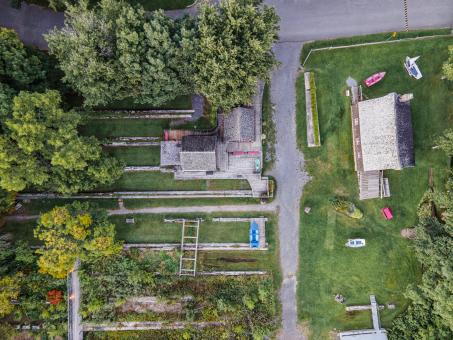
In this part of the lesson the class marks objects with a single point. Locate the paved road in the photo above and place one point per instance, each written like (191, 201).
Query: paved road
(303, 20)
(290, 178)
(30, 22)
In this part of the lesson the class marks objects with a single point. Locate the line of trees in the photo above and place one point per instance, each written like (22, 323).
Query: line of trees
(430, 314)
(114, 50)
(40, 147)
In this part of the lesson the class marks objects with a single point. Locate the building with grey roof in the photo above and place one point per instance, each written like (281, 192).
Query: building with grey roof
(382, 134)
(198, 153)
(239, 125)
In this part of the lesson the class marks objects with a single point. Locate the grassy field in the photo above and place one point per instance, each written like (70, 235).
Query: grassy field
(142, 181)
(136, 156)
(102, 128)
(386, 265)
(150, 228)
(360, 39)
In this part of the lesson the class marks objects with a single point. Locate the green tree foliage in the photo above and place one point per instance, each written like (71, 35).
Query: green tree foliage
(114, 51)
(6, 99)
(9, 292)
(41, 148)
(445, 142)
(29, 289)
(234, 50)
(71, 232)
(448, 65)
(430, 315)
(16, 64)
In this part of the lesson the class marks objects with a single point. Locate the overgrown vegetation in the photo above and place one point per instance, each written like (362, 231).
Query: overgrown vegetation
(386, 266)
(245, 305)
(24, 293)
(430, 313)
(268, 129)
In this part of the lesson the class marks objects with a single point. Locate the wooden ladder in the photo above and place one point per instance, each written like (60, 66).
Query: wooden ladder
(189, 247)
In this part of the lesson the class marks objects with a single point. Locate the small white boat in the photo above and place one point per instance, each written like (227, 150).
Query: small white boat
(356, 243)
(412, 67)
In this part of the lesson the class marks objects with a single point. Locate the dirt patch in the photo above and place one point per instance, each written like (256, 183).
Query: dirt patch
(408, 233)
(154, 304)
(235, 259)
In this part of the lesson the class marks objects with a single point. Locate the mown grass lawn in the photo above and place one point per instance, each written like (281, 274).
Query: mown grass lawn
(143, 181)
(386, 265)
(135, 155)
(151, 228)
(105, 128)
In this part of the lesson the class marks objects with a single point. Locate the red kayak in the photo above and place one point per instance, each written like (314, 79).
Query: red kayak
(375, 78)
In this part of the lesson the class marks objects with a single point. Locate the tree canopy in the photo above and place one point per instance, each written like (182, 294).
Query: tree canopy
(41, 148)
(430, 314)
(70, 232)
(448, 65)
(114, 51)
(234, 50)
(16, 64)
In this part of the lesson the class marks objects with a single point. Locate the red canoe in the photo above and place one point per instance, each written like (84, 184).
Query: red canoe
(375, 78)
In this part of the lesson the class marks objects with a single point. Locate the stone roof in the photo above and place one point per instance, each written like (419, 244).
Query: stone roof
(198, 161)
(170, 153)
(197, 143)
(240, 125)
(198, 153)
(384, 134)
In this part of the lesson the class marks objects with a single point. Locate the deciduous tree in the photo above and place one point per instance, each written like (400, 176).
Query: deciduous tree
(70, 232)
(16, 64)
(234, 50)
(113, 51)
(9, 291)
(41, 148)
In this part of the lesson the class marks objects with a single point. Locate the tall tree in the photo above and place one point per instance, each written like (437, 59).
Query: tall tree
(70, 232)
(234, 50)
(16, 64)
(113, 51)
(430, 314)
(41, 148)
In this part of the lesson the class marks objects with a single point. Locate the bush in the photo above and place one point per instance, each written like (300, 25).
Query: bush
(346, 208)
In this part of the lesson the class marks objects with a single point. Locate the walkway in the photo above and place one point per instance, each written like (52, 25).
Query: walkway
(272, 207)
(74, 319)
(290, 178)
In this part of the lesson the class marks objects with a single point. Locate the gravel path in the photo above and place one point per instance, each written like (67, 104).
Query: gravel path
(272, 207)
(290, 178)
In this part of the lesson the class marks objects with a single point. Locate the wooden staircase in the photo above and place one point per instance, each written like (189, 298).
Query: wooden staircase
(189, 247)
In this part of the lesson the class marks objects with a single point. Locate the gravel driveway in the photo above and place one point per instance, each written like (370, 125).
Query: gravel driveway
(290, 179)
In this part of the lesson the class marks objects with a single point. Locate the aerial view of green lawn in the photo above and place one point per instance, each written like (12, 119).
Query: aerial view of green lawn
(386, 265)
